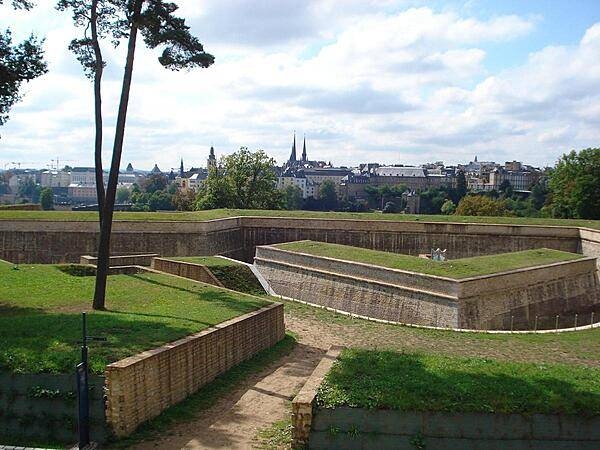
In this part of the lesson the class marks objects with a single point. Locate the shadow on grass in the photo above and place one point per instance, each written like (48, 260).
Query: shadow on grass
(7, 310)
(413, 382)
(215, 295)
(208, 395)
(49, 342)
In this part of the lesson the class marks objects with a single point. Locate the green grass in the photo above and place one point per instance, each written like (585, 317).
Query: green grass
(457, 268)
(40, 321)
(189, 409)
(223, 213)
(276, 436)
(232, 275)
(418, 382)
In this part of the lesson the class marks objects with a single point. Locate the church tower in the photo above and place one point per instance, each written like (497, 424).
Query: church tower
(293, 155)
(212, 159)
(181, 168)
(304, 159)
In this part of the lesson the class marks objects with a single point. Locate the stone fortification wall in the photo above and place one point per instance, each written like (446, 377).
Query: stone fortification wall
(193, 271)
(63, 241)
(353, 293)
(412, 238)
(520, 299)
(142, 386)
(57, 242)
(590, 243)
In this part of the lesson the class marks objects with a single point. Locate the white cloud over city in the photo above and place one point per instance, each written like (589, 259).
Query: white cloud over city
(365, 81)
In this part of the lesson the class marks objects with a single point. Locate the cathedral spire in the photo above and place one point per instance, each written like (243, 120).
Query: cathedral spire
(293, 155)
(304, 150)
(181, 168)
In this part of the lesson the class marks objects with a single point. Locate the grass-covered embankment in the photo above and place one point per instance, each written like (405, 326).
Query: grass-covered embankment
(232, 275)
(40, 315)
(419, 382)
(457, 268)
(198, 216)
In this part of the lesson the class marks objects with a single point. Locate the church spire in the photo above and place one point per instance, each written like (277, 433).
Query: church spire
(293, 155)
(181, 169)
(304, 150)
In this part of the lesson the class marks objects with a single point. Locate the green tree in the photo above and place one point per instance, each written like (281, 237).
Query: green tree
(161, 201)
(118, 20)
(539, 194)
(123, 195)
(448, 207)
(18, 63)
(432, 200)
(47, 198)
(184, 200)
(215, 191)
(328, 195)
(575, 185)
(506, 190)
(481, 205)
(154, 182)
(461, 185)
(251, 176)
(292, 198)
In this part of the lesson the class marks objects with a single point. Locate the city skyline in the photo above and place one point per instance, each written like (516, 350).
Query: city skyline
(392, 82)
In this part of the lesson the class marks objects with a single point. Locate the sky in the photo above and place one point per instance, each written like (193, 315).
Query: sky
(388, 81)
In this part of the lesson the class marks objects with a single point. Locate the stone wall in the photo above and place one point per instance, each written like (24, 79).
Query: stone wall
(43, 407)
(62, 241)
(356, 428)
(140, 387)
(412, 238)
(193, 271)
(528, 298)
(129, 260)
(590, 243)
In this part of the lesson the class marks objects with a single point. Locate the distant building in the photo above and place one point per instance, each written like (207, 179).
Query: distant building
(55, 178)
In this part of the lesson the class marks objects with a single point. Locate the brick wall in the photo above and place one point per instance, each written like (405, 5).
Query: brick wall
(142, 386)
(193, 271)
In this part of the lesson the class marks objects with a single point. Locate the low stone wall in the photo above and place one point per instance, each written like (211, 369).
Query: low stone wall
(44, 407)
(525, 299)
(140, 387)
(185, 269)
(590, 243)
(357, 428)
(127, 260)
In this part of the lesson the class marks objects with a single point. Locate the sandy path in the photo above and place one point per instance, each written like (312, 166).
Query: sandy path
(234, 420)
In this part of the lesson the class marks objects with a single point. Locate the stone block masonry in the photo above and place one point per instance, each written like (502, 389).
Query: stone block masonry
(140, 387)
(185, 269)
(29, 241)
(522, 299)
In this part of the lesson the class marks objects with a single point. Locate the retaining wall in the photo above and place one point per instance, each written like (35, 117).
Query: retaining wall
(63, 241)
(357, 428)
(44, 407)
(522, 299)
(140, 387)
(185, 269)
(130, 260)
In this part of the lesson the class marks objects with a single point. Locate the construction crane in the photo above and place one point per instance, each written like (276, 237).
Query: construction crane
(56, 162)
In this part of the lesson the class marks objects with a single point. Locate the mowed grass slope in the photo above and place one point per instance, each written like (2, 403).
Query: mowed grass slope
(457, 268)
(40, 315)
(90, 216)
(231, 274)
(420, 382)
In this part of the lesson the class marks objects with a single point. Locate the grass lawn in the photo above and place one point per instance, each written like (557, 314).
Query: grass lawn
(233, 275)
(419, 382)
(40, 315)
(223, 213)
(457, 268)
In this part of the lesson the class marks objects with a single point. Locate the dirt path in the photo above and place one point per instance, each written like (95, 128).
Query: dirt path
(233, 422)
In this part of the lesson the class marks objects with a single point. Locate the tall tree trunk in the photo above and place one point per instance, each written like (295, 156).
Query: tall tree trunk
(98, 110)
(111, 190)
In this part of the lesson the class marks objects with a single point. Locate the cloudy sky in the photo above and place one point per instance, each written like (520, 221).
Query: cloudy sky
(387, 81)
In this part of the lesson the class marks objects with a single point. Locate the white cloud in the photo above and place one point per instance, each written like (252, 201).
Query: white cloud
(366, 81)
